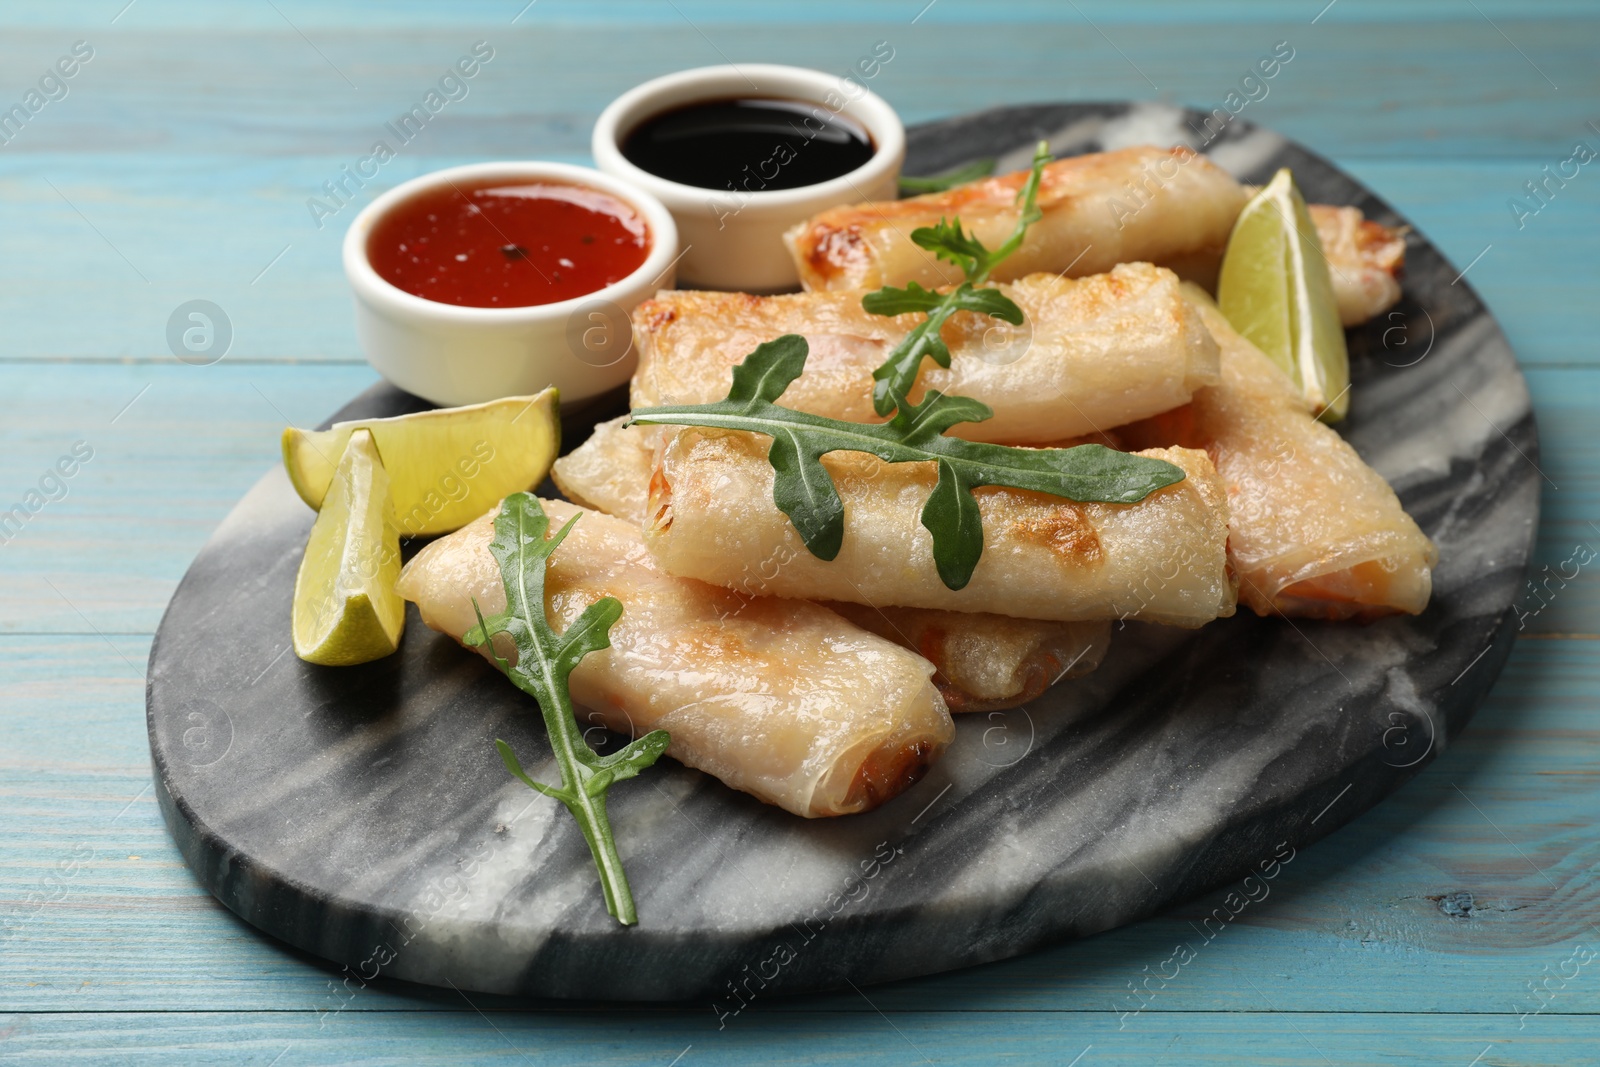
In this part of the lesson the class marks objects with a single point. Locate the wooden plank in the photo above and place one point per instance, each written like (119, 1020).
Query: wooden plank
(617, 1037)
(1347, 926)
(164, 472)
(1439, 87)
(1530, 278)
(314, 15)
(170, 466)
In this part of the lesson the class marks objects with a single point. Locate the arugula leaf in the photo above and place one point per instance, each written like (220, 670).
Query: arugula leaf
(892, 380)
(803, 490)
(545, 659)
(951, 516)
(948, 241)
(938, 183)
(1029, 198)
(913, 297)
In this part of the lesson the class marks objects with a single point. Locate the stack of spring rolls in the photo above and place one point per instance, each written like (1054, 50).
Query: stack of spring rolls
(825, 687)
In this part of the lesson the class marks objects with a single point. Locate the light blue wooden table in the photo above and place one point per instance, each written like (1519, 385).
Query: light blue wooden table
(1452, 925)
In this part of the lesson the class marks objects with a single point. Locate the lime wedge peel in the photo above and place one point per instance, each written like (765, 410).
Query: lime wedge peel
(346, 609)
(445, 467)
(1276, 290)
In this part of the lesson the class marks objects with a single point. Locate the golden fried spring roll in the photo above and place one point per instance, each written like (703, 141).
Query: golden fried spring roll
(1091, 353)
(1168, 206)
(1163, 559)
(1314, 530)
(987, 662)
(1135, 204)
(982, 662)
(610, 472)
(1363, 260)
(782, 699)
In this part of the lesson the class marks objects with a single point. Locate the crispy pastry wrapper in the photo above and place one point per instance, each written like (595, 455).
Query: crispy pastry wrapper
(1091, 353)
(1314, 531)
(1135, 204)
(1163, 559)
(782, 699)
(983, 662)
(1169, 206)
(986, 662)
(1364, 261)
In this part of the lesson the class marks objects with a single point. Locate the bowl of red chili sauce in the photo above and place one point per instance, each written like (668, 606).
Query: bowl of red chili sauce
(499, 279)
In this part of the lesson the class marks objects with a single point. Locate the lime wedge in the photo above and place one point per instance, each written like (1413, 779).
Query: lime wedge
(346, 610)
(446, 467)
(1275, 289)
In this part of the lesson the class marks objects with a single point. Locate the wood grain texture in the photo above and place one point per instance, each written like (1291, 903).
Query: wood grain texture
(287, 86)
(827, 1037)
(180, 165)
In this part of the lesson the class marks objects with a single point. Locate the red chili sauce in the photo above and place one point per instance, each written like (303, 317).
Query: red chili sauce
(492, 244)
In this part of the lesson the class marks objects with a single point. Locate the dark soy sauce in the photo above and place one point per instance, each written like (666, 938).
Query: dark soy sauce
(748, 144)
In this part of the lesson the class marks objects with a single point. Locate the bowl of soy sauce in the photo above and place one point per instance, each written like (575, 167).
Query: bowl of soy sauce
(741, 154)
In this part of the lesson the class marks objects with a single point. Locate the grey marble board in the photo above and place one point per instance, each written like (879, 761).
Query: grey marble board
(361, 814)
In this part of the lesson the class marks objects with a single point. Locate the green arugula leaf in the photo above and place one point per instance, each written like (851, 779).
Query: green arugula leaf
(892, 380)
(964, 297)
(919, 423)
(804, 491)
(781, 362)
(948, 241)
(890, 301)
(951, 516)
(938, 183)
(545, 659)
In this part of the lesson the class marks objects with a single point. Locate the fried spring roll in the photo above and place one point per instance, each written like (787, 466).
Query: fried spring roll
(610, 472)
(1169, 206)
(982, 662)
(1145, 203)
(986, 662)
(1091, 353)
(1314, 531)
(1163, 559)
(782, 699)
(1363, 260)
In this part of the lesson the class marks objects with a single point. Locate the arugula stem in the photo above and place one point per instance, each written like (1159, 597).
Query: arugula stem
(1028, 197)
(894, 378)
(938, 183)
(545, 660)
(596, 827)
(590, 811)
(1082, 473)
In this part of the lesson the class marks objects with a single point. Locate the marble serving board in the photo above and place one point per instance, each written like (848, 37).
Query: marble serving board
(362, 814)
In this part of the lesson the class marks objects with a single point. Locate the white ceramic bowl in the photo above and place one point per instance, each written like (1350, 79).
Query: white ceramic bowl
(735, 240)
(465, 355)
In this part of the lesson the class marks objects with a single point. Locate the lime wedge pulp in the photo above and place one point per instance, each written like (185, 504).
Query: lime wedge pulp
(446, 467)
(1276, 290)
(346, 609)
